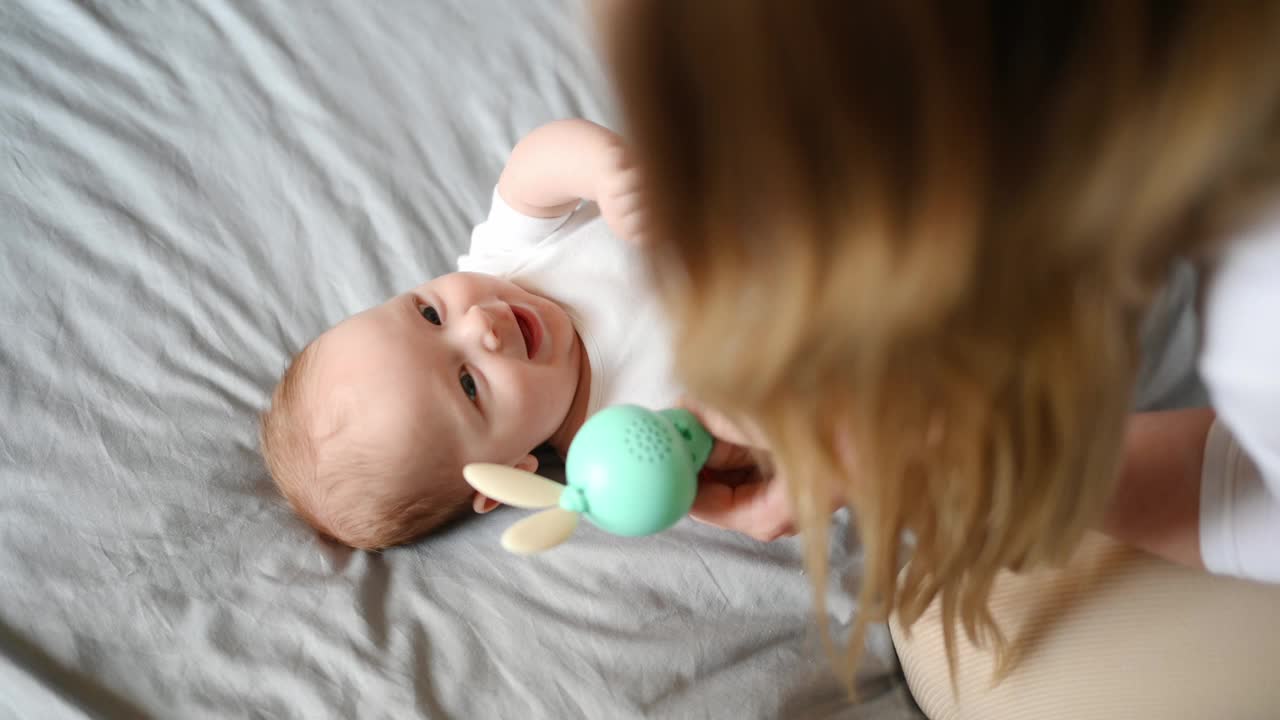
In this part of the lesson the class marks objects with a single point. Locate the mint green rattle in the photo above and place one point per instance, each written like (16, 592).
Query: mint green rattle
(630, 471)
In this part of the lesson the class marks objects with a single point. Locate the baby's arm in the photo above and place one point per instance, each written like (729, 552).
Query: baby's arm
(564, 162)
(556, 166)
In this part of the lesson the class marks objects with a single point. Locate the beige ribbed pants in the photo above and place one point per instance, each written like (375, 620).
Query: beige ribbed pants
(1116, 634)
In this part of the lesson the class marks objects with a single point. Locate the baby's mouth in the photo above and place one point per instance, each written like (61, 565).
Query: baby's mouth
(529, 330)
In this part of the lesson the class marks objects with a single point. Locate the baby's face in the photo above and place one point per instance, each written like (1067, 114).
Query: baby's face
(467, 366)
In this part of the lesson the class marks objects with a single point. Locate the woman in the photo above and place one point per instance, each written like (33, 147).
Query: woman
(909, 244)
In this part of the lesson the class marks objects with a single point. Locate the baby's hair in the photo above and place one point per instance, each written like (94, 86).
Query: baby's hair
(333, 481)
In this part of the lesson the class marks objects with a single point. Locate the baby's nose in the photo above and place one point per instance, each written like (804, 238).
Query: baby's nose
(480, 321)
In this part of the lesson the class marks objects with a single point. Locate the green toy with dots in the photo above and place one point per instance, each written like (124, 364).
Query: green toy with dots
(630, 471)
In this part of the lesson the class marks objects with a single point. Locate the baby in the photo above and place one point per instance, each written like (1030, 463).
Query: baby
(548, 321)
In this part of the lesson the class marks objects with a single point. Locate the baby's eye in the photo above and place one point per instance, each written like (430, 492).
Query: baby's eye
(430, 314)
(468, 385)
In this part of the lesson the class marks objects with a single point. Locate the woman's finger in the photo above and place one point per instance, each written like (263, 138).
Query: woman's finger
(733, 447)
(728, 456)
(758, 509)
(716, 423)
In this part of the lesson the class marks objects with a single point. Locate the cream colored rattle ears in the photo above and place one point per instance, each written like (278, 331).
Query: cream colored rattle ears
(525, 490)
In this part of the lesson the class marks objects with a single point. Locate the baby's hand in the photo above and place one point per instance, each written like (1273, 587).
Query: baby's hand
(618, 195)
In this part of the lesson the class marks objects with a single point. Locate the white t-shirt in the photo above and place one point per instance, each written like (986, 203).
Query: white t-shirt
(599, 280)
(1240, 364)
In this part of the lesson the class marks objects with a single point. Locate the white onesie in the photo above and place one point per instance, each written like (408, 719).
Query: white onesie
(600, 281)
(1240, 363)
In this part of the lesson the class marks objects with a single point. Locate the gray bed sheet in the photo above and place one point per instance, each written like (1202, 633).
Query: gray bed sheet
(189, 191)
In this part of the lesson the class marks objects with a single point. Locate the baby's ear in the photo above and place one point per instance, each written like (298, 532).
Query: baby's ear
(483, 503)
(528, 463)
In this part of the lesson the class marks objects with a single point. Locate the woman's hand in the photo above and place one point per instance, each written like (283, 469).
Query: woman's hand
(734, 491)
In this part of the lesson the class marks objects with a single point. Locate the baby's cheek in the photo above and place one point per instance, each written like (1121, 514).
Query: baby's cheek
(548, 395)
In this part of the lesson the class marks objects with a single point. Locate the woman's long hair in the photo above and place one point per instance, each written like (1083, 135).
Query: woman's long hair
(911, 241)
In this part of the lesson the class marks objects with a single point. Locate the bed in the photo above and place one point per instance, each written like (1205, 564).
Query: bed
(189, 191)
